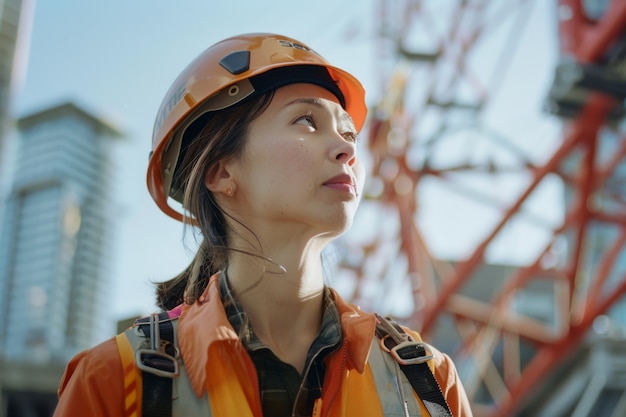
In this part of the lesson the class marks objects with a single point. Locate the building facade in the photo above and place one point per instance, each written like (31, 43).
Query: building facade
(11, 16)
(55, 235)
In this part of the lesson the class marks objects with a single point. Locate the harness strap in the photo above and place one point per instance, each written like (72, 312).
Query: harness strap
(413, 357)
(419, 375)
(158, 365)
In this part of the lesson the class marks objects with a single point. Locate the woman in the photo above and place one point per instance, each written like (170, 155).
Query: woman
(257, 139)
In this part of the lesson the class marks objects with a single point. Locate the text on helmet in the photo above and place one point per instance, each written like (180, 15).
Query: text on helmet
(168, 104)
(295, 45)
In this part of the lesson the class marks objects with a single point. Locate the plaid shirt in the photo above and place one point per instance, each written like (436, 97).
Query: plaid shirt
(284, 391)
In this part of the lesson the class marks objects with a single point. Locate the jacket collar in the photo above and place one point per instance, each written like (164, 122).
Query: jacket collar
(204, 324)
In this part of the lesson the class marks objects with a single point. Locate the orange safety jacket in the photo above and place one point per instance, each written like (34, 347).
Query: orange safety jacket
(218, 371)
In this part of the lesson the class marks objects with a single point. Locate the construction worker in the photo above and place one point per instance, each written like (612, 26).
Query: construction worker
(254, 146)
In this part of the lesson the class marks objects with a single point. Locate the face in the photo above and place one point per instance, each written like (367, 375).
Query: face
(299, 167)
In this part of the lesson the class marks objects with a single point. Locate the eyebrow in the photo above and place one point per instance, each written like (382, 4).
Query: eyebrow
(316, 102)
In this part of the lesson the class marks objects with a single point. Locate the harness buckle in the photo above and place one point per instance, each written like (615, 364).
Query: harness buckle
(402, 347)
(156, 360)
(409, 352)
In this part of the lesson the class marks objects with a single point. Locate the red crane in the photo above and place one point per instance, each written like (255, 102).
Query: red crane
(443, 67)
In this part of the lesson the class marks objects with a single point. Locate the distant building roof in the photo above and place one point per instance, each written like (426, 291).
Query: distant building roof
(52, 112)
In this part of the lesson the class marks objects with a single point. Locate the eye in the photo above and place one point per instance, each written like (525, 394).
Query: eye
(306, 119)
(350, 136)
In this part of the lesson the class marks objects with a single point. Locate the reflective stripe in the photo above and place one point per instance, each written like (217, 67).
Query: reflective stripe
(184, 400)
(394, 390)
(132, 377)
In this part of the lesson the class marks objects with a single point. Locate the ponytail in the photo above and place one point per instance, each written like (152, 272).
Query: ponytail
(187, 286)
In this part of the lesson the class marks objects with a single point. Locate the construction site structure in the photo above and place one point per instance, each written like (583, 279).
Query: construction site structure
(546, 194)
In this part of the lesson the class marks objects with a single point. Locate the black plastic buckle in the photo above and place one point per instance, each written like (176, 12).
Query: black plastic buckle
(410, 353)
(156, 360)
(402, 347)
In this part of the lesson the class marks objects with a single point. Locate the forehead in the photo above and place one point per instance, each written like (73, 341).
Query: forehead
(293, 94)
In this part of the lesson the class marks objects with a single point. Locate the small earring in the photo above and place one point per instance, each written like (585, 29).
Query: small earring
(229, 192)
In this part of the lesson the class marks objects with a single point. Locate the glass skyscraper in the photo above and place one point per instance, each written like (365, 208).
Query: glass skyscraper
(55, 235)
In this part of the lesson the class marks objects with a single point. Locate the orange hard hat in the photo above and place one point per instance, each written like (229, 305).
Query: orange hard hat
(223, 75)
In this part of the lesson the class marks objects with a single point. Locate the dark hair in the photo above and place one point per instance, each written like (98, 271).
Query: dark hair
(222, 136)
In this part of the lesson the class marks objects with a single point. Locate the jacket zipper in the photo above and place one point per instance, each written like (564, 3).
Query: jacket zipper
(313, 359)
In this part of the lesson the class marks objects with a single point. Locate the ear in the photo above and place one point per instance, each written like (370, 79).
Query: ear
(218, 178)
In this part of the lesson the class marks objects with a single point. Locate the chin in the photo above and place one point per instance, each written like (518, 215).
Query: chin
(340, 227)
(337, 221)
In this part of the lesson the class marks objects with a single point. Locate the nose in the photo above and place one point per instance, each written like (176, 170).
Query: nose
(344, 151)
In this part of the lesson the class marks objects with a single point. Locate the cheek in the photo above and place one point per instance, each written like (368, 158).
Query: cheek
(280, 169)
(298, 160)
(277, 165)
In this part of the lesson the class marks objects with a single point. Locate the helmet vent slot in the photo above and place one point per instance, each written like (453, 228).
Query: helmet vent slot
(236, 62)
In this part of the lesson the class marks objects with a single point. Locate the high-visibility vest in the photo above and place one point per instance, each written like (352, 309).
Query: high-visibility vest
(382, 390)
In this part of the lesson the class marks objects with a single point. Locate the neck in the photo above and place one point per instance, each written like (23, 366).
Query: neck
(279, 279)
(284, 306)
(279, 263)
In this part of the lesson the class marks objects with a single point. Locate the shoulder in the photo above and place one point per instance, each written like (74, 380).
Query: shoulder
(92, 383)
(101, 361)
(445, 370)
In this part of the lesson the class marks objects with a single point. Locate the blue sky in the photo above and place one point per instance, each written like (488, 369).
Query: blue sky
(118, 57)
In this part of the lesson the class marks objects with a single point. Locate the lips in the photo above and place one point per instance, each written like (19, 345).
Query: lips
(342, 182)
